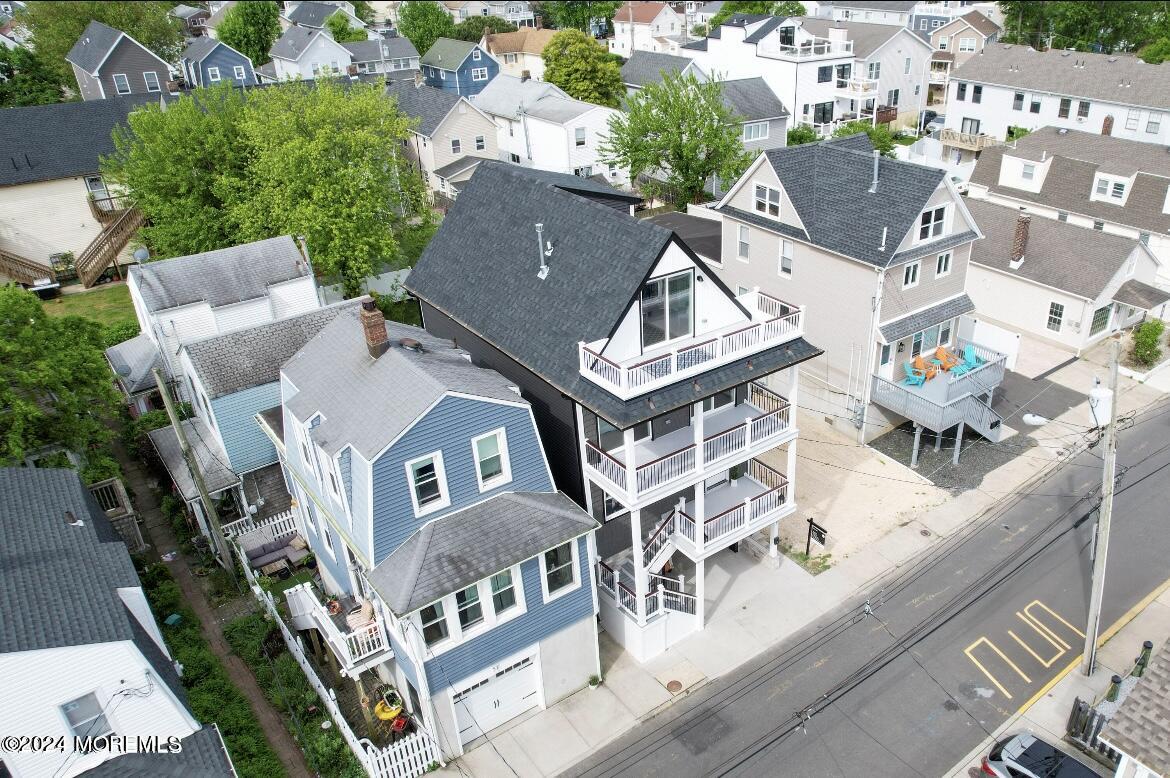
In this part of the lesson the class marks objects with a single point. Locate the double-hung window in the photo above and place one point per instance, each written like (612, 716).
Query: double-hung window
(86, 718)
(910, 275)
(213, 74)
(558, 569)
(579, 136)
(1035, 106)
(503, 592)
(892, 97)
(1028, 171)
(121, 83)
(492, 467)
(942, 265)
(977, 93)
(1117, 192)
(151, 79)
(469, 608)
(742, 244)
(874, 70)
(966, 44)
(428, 487)
(1132, 117)
(239, 72)
(1102, 187)
(1065, 108)
(475, 55)
(930, 224)
(907, 64)
(786, 258)
(456, 146)
(434, 624)
(767, 200)
(667, 308)
(480, 143)
(1154, 123)
(961, 91)
(1083, 109)
(1018, 101)
(755, 131)
(479, 74)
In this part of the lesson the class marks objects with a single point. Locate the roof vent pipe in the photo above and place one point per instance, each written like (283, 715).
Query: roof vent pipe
(540, 250)
(883, 246)
(873, 186)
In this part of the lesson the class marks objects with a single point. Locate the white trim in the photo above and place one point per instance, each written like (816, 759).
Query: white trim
(213, 75)
(575, 563)
(755, 199)
(917, 265)
(118, 91)
(489, 620)
(505, 476)
(747, 175)
(157, 81)
(938, 259)
(444, 500)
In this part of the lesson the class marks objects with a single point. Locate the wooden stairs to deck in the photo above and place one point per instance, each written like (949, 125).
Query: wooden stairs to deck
(23, 270)
(104, 249)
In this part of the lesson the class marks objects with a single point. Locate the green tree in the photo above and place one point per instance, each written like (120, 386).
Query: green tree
(732, 7)
(1113, 25)
(1157, 52)
(582, 67)
(424, 23)
(54, 27)
(681, 131)
(879, 136)
(363, 11)
(801, 134)
(55, 385)
(790, 8)
(251, 29)
(25, 79)
(474, 27)
(338, 27)
(577, 13)
(324, 161)
(182, 194)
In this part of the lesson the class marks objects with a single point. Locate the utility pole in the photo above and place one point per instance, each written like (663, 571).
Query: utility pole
(217, 538)
(1104, 516)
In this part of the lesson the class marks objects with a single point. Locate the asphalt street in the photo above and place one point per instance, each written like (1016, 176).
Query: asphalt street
(954, 642)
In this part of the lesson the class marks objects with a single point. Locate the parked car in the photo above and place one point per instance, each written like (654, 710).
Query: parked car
(1027, 756)
(935, 124)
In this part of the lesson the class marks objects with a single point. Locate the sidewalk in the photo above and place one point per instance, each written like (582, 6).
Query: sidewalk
(742, 617)
(1048, 711)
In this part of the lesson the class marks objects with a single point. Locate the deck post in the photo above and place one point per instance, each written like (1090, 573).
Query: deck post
(631, 465)
(697, 423)
(640, 583)
(774, 540)
(938, 440)
(917, 441)
(700, 516)
(700, 585)
(958, 442)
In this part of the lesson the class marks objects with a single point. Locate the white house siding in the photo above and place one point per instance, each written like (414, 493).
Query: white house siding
(892, 56)
(292, 298)
(46, 679)
(249, 313)
(629, 37)
(465, 123)
(533, 63)
(199, 399)
(46, 218)
(554, 145)
(870, 16)
(995, 112)
(322, 52)
(1022, 306)
(897, 302)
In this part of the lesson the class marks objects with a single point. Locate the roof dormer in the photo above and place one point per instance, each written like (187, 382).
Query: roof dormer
(1025, 173)
(1111, 188)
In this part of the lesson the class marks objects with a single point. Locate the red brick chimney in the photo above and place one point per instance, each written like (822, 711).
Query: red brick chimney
(1020, 241)
(374, 329)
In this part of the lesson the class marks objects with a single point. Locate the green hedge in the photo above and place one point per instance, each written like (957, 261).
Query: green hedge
(1145, 342)
(210, 693)
(288, 689)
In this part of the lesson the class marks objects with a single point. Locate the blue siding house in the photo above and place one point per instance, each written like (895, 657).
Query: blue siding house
(431, 510)
(207, 62)
(461, 67)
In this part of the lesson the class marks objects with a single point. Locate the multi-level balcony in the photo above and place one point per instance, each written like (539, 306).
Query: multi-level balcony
(357, 642)
(652, 467)
(773, 322)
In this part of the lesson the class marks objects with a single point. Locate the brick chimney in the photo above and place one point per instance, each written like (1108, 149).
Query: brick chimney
(418, 79)
(374, 329)
(1020, 241)
(525, 75)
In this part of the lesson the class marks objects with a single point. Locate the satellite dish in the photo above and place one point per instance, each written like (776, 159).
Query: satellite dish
(141, 254)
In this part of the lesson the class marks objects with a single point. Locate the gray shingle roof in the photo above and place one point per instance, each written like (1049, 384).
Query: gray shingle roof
(92, 47)
(981, 23)
(1054, 71)
(601, 257)
(699, 45)
(251, 357)
(1061, 255)
(1078, 156)
(647, 67)
(58, 583)
(365, 51)
(510, 528)
(335, 376)
(914, 322)
(399, 47)
(752, 99)
(274, 418)
(200, 47)
(1141, 725)
(506, 95)
(217, 17)
(310, 14)
(132, 361)
(292, 44)
(704, 236)
(203, 755)
(447, 53)
(1140, 295)
(902, 6)
(762, 31)
(571, 183)
(559, 109)
(425, 103)
(867, 38)
(457, 166)
(829, 183)
(63, 140)
(220, 277)
(187, 11)
(209, 454)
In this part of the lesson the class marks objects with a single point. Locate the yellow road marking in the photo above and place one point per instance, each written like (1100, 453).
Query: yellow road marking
(1046, 663)
(968, 651)
(1053, 613)
(1051, 636)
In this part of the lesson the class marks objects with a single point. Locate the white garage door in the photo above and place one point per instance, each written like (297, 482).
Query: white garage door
(496, 699)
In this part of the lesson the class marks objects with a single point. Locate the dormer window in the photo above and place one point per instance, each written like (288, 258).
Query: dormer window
(475, 55)
(931, 223)
(1028, 172)
(667, 308)
(428, 484)
(1109, 189)
(767, 200)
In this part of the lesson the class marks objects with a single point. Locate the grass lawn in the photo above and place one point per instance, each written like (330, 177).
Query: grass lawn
(107, 305)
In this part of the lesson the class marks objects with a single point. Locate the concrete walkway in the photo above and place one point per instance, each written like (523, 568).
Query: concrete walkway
(161, 538)
(1046, 714)
(752, 606)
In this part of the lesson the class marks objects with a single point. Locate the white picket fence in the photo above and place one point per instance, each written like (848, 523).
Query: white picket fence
(407, 758)
(277, 525)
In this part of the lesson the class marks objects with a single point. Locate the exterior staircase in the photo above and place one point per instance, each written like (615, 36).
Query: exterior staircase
(23, 270)
(105, 248)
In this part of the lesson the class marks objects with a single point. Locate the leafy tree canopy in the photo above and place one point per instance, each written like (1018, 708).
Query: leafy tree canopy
(338, 27)
(879, 136)
(1112, 25)
(363, 11)
(473, 28)
(582, 67)
(54, 27)
(251, 29)
(766, 7)
(577, 13)
(424, 22)
(801, 134)
(55, 385)
(680, 131)
(1157, 52)
(25, 79)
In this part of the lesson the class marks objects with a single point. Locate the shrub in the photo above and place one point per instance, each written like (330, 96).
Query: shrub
(1145, 342)
(113, 334)
(801, 134)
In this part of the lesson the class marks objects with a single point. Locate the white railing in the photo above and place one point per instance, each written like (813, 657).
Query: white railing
(939, 76)
(280, 524)
(666, 468)
(725, 523)
(365, 641)
(351, 647)
(776, 322)
(867, 87)
(658, 540)
(822, 129)
(770, 423)
(817, 47)
(605, 464)
(684, 524)
(725, 443)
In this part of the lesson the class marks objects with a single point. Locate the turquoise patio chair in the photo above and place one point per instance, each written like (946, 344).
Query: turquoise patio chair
(914, 376)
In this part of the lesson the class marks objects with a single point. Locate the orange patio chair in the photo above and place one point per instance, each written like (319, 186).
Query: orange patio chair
(946, 358)
(928, 370)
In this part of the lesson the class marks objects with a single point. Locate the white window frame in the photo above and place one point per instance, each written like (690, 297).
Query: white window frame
(102, 713)
(1028, 171)
(942, 265)
(505, 475)
(1059, 317)
(213, 74)
(1153, 123)
(911, 273)
(480, 142)
(456, 146)
(240, 72)
(786, 253)
(765, 200)
(967, 44)
(444, 617)
(509, 59)
(906, 65)
(475, 55)
(157, 84)
(1132, 118)
(753, 131)
(743, 243)
(564, 590)
(579, 135)
(444, 500)
(943, 40)
(125, 80)
(936, 227)
(479, 74)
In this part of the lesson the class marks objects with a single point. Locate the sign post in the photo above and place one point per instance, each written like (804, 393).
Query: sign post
(815, 532)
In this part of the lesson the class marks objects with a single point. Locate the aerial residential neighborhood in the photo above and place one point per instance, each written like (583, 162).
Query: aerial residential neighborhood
(584, 388)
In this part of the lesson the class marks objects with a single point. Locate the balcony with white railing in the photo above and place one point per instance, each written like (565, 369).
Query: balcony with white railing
(810, 48)
(727, 434)
(970, 141)
(938, 75)
(356, 640)
(773, 322)
(857, 88)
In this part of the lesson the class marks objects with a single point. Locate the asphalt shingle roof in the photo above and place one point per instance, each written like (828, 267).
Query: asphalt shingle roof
(980, 23)
(1140, 295)
(902, 6)
(425, 103)
(251, 357)
(132, 361)
(648, 67)
(762, 31)
(915, 322)
(203, 755)
(1141, 725)
(867, 38)
(601, 256)
(528, 40)
(1054, 71)
(336, 376)
(508, 95)
(1058, 254)
(209, 454)
(752, 99)
(1076, 159)
(704, 236)
(92, 47)
(310, 14)
(199, 48)
(385, 48)
(510, 528)
(457, 166)
(63, 140)
(638, 13)
(447, 53)
(558, 109)
(58, 583)
(292, 44)
(220, 277)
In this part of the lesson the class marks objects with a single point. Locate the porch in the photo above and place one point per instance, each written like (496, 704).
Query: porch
(971, 141)
(354, 631)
